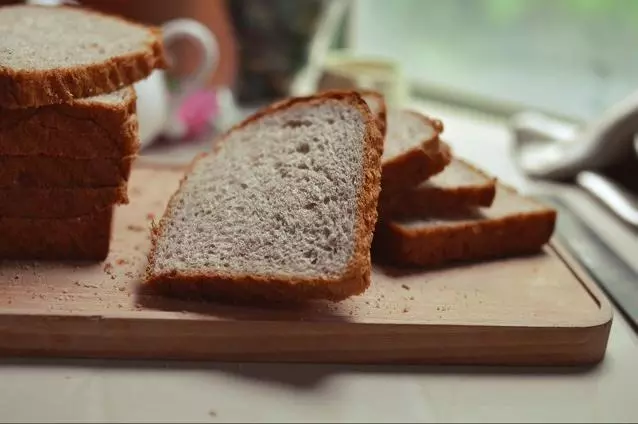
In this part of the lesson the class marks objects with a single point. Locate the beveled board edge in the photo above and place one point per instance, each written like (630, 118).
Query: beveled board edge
(83, 336)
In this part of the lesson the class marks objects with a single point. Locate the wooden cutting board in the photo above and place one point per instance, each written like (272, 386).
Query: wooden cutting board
(535, 310)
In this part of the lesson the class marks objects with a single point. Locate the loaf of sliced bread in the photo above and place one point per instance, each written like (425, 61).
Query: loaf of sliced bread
(25, 202)
(98, 127)
(412, 150)
(60, 172)
(459, 186)
(51, 55)
(283, 210)
(513, 225)
(83, 238)
(376, 103)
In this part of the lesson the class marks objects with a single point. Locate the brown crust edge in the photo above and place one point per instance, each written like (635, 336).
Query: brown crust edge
(21, 89)
(356, 276)
(516, 234)
(83, 238)
(415, 166)
(413, 202)
(382, 114)
(59, 203)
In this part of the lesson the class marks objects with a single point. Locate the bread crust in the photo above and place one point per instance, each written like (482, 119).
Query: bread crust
(34, 88)
(417, 164)
(281, 288)
(381, 114)
(472, 240)
(414, 202)
(24, 202)
(80, 130)
(83, 238)
(37, 171)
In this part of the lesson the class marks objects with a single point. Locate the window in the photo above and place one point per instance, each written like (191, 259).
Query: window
(573, 58)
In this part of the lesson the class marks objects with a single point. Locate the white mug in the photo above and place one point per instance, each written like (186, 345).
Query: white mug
(156, 105)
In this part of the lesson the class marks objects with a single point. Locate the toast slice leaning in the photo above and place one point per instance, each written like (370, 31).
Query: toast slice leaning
(52, 55)
(24, 202)
(412, 150)
(283, 209)
(55, 172)
(376, 103)
(103, 126)
(84, 238)
(460, 185)
(513, 225)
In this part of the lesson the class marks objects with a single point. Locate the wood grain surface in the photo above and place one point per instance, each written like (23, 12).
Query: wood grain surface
(534, 310)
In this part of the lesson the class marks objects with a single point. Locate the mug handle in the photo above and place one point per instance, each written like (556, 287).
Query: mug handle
(204, 39)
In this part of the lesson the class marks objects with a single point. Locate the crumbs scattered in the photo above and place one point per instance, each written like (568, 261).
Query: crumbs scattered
(108, 267)
(130, 274)
(121, 262)
(121, 288)
(16, 277)
(212, 413)
(405, 310)
(136, 228)
(150, 216)
(405, 286)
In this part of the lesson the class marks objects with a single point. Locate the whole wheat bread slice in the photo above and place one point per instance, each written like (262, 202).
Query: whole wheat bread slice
(103, 126)
(25, 202)
(412, 150)
(513, 225)
(460, 185)
(283, 209)
(51, 55)
(376, 103)
(59, 172)
(82, 238)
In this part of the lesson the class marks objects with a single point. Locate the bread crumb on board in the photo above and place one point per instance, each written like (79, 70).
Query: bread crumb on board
(405, 286)
(136, 228)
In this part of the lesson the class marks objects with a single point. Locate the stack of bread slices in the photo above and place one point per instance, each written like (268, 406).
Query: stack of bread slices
(436, 209)
(68, 127)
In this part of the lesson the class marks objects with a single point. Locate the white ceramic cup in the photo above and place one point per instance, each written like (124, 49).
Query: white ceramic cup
(156, 104)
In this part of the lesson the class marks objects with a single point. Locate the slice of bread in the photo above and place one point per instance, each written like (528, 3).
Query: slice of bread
(98, 127)
(59, 172)
(24, 202)
(513, 225)
(376, 103)
(82, 238)
(412, 150)
(282, 210)
(460, 185)
(51, 55)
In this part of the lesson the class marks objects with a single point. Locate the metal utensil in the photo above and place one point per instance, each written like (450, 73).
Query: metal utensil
(620, 201)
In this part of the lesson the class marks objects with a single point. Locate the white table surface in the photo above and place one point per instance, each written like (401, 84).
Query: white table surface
(112, 391)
